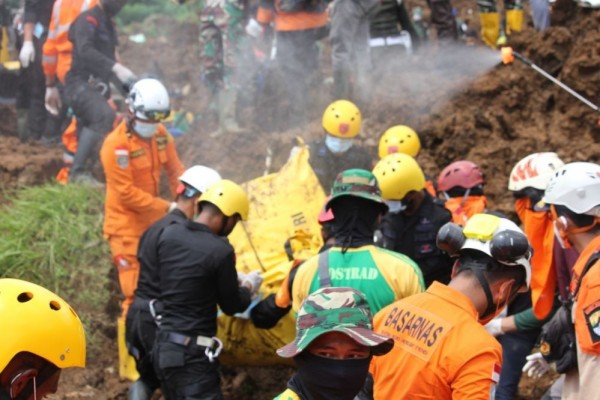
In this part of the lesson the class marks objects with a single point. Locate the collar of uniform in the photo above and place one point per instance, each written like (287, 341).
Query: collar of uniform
(454, 297)
(196, 226)
(176, 211)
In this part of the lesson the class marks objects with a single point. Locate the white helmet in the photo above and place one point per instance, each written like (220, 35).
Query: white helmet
(577, 187)
(534, 171)
(200, 177)
(148, 100)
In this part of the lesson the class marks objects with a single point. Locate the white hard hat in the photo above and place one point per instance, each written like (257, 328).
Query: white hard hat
(577, 187)
(200, 177)
(534, 171)
(148, 100)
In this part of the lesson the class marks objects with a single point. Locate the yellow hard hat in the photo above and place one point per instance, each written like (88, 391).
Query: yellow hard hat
(342, 119)
(37, 321)
(398, 174)
(229, 197)
(399, 139)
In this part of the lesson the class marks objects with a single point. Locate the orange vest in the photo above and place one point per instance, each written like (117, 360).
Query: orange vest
(462, 209)
(587, 306)
(441, 351)
(132, 167)
(56, 58)
(539, 229)
(291, 21)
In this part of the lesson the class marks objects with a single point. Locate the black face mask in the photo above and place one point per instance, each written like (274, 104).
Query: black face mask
(320, 378)
(112, 7)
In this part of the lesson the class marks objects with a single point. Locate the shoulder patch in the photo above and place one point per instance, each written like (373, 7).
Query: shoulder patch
(592, 319)
(122, 157)
(138, 153)
(92, 20)
(161, 142)
(496, 371)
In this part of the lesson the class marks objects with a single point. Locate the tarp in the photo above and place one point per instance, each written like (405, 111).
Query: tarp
(283, 206)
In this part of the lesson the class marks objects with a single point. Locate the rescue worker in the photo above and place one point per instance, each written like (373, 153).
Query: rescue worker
(197, 273)
(387, 22)
(460, 185)
(144, 314)
(492, 32)
(442, 350)
(56, 58)
(41, 336)
(518, 329)
(133, 156)
(414, 217)
(337, 152)
(383, 276)
(30, 100)
(333, 346)
(443, 20)
(221, 35)
(87, 83)
(403, 139)
(299, 25)
(350, 56)
(574, 198)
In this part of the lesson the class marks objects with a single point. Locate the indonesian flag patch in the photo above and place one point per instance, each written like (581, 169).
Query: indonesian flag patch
(122, 156)
(496, 370)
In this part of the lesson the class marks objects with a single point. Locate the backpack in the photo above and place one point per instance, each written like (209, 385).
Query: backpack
(557, 340)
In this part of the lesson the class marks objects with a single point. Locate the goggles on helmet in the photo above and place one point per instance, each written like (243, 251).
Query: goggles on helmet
(151, 115)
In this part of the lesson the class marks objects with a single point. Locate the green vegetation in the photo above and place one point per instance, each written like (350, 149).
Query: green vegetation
(140, 10)
(52, 235)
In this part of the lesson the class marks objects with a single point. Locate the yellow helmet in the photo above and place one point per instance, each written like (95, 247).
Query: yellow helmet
(399, 139)
(37, 321)
(342, 119)
(398, 174)
(229, 197)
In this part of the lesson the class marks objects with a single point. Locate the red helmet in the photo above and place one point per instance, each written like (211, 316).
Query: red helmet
(462, 173)
(326, 215)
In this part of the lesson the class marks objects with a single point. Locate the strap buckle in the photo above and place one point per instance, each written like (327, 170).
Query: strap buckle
(211, 353)
(156, 316)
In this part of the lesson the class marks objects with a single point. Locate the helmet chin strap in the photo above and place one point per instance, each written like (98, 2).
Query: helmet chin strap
(19, 382)
(223, 226)
(491, 307)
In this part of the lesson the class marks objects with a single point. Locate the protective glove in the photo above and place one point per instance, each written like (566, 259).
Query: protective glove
(252, 281)
(27, 53)
(254, 29)
(536, 365)
(494, 327)
(123, 73)
(241, 278)
(52, 100)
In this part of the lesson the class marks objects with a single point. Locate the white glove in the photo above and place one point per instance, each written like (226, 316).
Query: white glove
(241, 277)
(253, 280)
(123, 73)
(52, 100)
(254, 29)
(27, 53)
(536, 365)
(215, 3)
(494, 327)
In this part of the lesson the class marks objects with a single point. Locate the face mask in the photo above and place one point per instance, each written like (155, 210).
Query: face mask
(337, 145)
(326, 378)
(145, 129)
(395, 206)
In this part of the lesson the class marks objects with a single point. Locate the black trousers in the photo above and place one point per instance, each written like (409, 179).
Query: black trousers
(185, 372)
(31, 94)
(140, 334)
(90, 107)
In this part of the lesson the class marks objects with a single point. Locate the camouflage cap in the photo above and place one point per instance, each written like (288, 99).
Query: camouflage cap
(336, 309)
(357, 183)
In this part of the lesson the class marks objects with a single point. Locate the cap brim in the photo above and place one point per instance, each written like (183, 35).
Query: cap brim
(371, 197)
(379, 344)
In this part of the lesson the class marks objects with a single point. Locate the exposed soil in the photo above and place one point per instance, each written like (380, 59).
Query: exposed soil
(493, 116)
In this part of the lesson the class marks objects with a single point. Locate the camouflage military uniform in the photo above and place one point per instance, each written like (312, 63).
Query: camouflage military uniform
(221, 33)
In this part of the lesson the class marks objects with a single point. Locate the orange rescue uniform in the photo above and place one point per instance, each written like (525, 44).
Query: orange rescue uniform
(56, 58)
(462, 209)
(441, 351)
(291, 21)
(132, 167)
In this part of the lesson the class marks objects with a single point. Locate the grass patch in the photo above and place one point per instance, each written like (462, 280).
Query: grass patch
(52, 235)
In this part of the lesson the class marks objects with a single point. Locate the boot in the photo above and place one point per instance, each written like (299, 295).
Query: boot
(139, 391)
(227, 100)
(22, 124)
(87, 146)
(514, 21)
(127, 367)
(490, 28)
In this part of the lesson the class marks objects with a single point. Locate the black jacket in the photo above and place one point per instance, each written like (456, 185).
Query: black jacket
(197, 273)
(38, 11)
(328, 165)
(148, 282)
(94, 43)
(415, 236)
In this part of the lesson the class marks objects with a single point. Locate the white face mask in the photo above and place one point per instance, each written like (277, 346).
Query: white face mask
(395, 206)
(145, 129)
(337, 145)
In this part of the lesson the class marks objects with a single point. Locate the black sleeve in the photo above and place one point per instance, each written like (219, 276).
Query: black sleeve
(82, 34)
(266, 314)
(230, 296)
(366, 392)
(31, 10)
